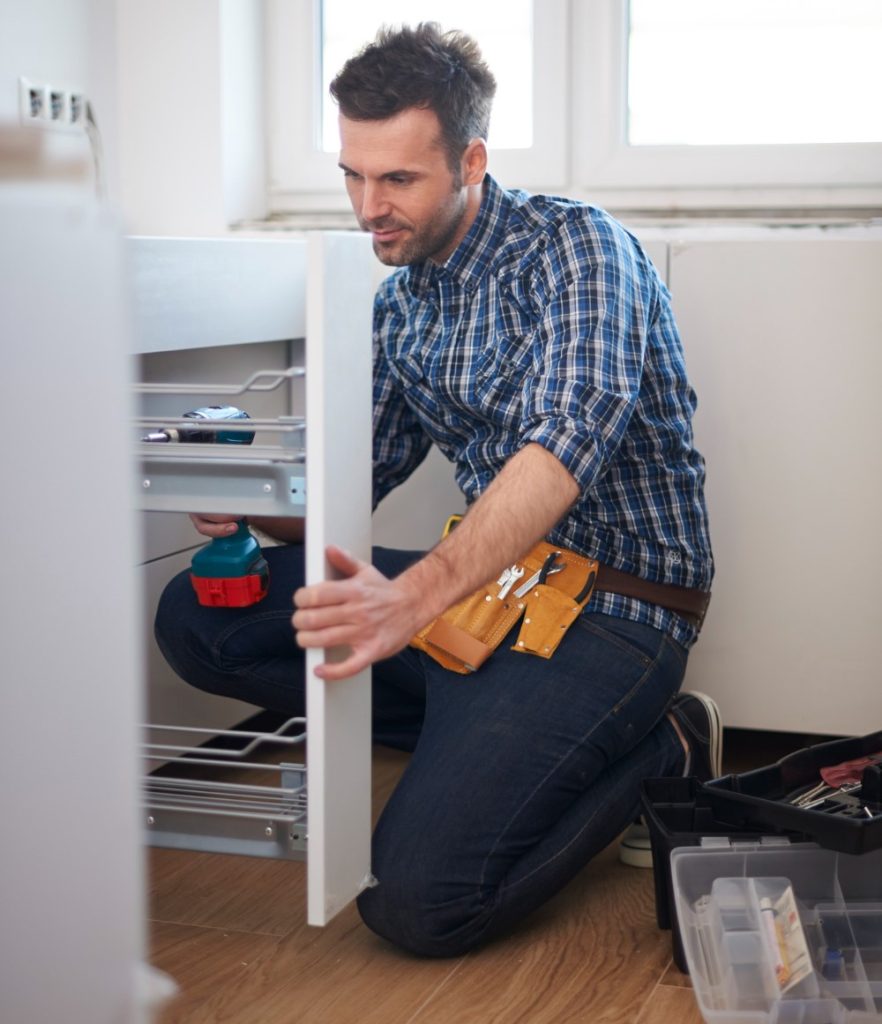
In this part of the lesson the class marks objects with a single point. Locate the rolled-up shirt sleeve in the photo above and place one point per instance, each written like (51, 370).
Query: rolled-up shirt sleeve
(589, 343)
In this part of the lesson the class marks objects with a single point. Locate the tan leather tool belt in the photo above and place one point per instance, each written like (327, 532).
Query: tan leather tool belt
(465, 636)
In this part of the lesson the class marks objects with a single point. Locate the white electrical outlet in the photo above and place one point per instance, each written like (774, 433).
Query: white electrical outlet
(49, 106)
(78, 109)
(32, 101)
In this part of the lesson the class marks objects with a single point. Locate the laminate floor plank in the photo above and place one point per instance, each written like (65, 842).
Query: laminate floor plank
(207, 964)
(215, 890)
(232, 932)
(340, 974)
(671, 1004)
(592, 954)
(675, 977)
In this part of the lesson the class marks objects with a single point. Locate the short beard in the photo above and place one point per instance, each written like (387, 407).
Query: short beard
(432, 239)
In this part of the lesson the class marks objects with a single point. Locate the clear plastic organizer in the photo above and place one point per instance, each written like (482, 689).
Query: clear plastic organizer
(781, 933)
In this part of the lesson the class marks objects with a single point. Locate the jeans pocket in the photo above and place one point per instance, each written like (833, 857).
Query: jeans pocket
(642, 643)
(643, 669)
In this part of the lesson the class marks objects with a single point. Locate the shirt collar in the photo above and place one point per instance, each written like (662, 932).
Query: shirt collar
(471, 259)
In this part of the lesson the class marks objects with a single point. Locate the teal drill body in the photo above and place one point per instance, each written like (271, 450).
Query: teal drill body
(230, 572)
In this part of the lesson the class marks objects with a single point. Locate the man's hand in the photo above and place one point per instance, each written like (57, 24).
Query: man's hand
(376, 616)
(372, 615)
(283, 528)
(214, 526)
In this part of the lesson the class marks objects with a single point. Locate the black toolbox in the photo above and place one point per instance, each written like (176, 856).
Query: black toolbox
(756, 807)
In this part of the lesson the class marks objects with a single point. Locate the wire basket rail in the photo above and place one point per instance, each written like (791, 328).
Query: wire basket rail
(231, 807)
(267, 478)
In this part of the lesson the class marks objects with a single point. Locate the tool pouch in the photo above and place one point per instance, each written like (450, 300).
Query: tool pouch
(465, 636)
(549, 614)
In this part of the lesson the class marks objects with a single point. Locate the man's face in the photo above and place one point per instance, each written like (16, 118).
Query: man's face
(401, 187)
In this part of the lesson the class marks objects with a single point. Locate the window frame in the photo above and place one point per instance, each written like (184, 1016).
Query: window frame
(303, 176)
(580, 149)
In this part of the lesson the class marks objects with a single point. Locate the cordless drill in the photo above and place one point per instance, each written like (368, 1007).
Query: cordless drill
(229, 572)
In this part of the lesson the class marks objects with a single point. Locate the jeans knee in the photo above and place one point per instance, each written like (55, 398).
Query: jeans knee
(422, 919)
(189, 650)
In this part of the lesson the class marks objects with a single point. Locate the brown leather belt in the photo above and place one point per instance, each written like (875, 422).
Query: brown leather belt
(691, 604)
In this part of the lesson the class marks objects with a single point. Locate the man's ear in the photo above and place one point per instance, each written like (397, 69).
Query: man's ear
(474, 162)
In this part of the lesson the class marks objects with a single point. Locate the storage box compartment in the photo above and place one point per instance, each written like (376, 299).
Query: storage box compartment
(789, 932)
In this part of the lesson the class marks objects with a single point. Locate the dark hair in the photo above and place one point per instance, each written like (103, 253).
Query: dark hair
(420, 67)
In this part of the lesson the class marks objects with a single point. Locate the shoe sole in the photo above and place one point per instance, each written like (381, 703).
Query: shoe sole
(715, 741)
(635, 857)
(635, 849)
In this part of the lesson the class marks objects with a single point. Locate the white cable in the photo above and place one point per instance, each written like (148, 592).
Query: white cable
(94, 135)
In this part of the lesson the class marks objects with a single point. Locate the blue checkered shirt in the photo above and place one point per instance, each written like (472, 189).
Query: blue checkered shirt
(549, 325)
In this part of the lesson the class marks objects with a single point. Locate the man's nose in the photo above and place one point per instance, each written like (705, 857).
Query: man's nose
(374, 205)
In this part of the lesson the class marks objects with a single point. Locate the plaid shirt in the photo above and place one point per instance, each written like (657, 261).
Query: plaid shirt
(549, 325)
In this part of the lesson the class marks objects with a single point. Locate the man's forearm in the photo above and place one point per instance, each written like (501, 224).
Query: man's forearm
(528, 498)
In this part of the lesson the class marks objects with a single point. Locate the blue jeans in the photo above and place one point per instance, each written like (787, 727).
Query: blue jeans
(520, 773)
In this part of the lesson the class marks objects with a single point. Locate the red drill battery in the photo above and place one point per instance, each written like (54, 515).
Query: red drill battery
(230, 572)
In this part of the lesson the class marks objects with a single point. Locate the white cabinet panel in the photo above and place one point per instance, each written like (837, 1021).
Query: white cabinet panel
(335, 281)
(72, 907)
(196, 292)
(782, 341)
(338, 501)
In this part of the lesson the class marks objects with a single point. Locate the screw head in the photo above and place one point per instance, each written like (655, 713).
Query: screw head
(151, 820)
(145, 484)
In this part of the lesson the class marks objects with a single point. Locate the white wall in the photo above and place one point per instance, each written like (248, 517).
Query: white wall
(176, 89)
(72, 45)
(191, 134)
(244, 137)
(781, 331)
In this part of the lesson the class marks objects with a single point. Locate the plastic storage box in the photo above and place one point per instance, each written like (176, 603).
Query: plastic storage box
(681, 812)
(781, 933)
(756, 807)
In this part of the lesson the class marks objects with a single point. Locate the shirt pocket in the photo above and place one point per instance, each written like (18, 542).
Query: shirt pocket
(501, 376)
(417, 391)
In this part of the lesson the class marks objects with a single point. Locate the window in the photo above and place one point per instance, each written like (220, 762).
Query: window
(771, 72)
(662, 104)
(506, 43)
(523, 41)
(729, 94)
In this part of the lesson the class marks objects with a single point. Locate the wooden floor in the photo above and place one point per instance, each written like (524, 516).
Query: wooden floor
(231, 932)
